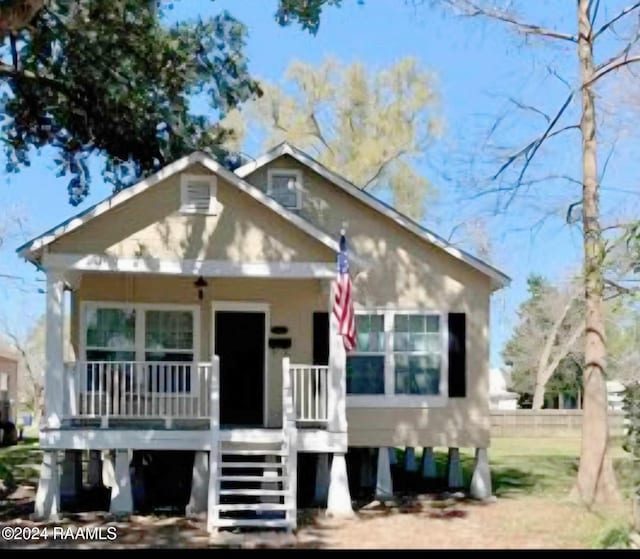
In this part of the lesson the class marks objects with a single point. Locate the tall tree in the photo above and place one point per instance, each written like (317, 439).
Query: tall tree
(596, 482)
(370, 127)
(106, 77)
(545, 343)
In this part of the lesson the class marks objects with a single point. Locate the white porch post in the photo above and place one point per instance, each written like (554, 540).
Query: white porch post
(428, 463)
(337, 389)
(339, 498)
(214, 426)
(384, 483)
(47, 503)
(481, 479)
(199, 485)
(121, 497)
(454, 469)
(321, 490)
(54, 356)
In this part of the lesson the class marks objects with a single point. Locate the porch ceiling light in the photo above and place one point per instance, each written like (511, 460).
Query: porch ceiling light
(200, 283)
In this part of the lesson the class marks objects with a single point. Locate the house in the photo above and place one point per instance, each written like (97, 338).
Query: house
(199, 303)
(8, 384)
(499, 397)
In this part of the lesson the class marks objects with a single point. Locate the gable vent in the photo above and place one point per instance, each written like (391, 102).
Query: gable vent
(198, 194)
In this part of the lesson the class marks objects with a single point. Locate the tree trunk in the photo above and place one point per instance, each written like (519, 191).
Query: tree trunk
(596, 482)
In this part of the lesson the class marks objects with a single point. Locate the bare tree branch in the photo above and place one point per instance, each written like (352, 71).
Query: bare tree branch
(383, 166)
(524, 107)
(471, 9)
(603, 71)
(616, 18)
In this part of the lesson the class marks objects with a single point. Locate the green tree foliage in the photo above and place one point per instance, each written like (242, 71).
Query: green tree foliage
(105, 77)
(305, 12)
(369, 127)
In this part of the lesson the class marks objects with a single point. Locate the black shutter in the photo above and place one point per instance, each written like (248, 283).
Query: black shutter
(320, 338)
(457, 355)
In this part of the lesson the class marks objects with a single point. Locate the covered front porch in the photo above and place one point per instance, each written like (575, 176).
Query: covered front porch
(152, 346)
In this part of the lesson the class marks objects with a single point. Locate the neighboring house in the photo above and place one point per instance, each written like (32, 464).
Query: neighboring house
(499, 397)
(199, 308)
(8, 385)
(615, 395)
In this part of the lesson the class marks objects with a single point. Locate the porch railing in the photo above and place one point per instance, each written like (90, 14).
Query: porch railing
(137, 389)
(310, 392)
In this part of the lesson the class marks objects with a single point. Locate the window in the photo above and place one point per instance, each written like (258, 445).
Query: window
(198, 194)
(417, 350)
(168, 336)
(4, 382)
(365, 367)
(285, 187)
(110, 334)
(142, 333)
(398, 353)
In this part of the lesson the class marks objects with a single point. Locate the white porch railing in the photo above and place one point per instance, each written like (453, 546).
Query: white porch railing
(310, 394)
(137, 389)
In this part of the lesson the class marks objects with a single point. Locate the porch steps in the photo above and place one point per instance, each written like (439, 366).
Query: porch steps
(255, 488)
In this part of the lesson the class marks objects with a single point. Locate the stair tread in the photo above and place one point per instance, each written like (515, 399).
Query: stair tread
(252, 452)
(256, 479)
(254, 492)
(252, 506)
(267, 523)
(278, 465)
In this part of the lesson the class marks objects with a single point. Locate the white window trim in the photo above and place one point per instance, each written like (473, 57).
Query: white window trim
(140, 308)
(213, 209)
(390, 399)
(298, 189)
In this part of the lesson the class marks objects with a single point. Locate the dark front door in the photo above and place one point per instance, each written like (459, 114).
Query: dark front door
(240, 345)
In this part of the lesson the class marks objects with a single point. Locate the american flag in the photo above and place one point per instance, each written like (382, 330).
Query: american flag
(343, 302)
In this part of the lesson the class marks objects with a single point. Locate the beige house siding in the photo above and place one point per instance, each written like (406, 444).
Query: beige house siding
(404, 272)
(150, 225)
(291, 302)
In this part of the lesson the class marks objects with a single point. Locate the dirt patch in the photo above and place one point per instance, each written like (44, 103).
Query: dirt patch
(423, 523)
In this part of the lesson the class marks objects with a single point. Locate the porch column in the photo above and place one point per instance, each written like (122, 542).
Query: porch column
(47, 503)
(121, 498)
(384, 483)
(214, 436)
(339, 498)
(337, 389)
(199, 485)
(71, 479)
(428, 463)
(410, 464)
(454, 469)
(481, 479)
(321, 490)
(54, 357)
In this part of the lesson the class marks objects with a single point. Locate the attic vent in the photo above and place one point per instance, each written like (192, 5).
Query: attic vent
(198, 194)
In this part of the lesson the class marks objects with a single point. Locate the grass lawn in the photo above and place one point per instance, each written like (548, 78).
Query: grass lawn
(531, 478)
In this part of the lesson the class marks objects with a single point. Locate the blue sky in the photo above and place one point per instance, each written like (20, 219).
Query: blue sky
(478, 67)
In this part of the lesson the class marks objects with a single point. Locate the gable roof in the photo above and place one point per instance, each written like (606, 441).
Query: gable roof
(498, 278)
(29, 249)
